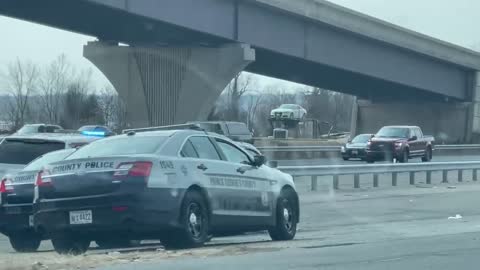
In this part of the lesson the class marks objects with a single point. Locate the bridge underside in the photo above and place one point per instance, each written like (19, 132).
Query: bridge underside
(399, 84)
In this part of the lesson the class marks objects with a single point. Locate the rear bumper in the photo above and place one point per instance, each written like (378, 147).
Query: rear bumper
(135, 215)
(15, 218)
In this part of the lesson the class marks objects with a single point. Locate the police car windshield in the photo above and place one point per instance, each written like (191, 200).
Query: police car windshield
(38, 163)
(22, 151)
(361, 138)
(129, 145)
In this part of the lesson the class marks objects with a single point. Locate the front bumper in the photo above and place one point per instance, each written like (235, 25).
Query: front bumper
(142, 214)
(354, 153)
(382, 155)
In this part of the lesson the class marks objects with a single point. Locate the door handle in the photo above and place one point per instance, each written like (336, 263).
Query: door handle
(202, 167)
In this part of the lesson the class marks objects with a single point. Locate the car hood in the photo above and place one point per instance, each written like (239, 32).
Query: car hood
(379, 139)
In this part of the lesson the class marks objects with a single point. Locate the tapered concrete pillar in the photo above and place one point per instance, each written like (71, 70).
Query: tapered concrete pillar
(166, 85)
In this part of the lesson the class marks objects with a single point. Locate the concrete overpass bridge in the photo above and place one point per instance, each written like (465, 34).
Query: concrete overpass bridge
(182, 53)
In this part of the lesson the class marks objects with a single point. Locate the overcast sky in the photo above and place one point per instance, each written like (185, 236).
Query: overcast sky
(454, 21)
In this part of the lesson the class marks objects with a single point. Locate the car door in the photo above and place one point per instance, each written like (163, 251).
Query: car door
(419, 143)
(249, 191)
(204, 159)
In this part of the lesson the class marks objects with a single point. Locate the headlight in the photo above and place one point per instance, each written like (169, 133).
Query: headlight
(369, 143)
(398, 144)
(342, 149)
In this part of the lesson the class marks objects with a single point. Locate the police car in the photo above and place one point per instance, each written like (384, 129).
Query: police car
(18, 150)
(16, 196)
(178, 186)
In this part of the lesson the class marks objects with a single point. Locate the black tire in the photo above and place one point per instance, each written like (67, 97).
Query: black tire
(428, 155)
(370, 161)
(286, 217)
(116, 243)
(67, 243)
(194, 221)
(25, 241)
(346, 158)
(404, 157)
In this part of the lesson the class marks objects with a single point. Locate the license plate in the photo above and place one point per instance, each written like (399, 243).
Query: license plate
(30, 220)
(81, 217)
(354, 152)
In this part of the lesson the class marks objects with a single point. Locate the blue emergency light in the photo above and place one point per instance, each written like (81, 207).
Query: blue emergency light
(94, 133)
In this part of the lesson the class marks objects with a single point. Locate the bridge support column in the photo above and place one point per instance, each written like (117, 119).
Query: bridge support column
(474, 136)
(448, 122)
(167, 85)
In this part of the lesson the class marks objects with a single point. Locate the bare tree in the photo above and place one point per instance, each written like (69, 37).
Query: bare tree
(235, 90)
(52, 86)
(253, 102)
(113, 108)
(21, 79)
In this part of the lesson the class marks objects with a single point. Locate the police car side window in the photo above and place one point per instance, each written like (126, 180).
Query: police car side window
(232, 153)
(188, 150)
(204, 147)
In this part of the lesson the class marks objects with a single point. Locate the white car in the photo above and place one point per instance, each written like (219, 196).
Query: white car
(179, 186)
(289, 111)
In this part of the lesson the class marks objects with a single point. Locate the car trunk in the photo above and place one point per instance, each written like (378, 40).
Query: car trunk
(99, 176)
(23, 184)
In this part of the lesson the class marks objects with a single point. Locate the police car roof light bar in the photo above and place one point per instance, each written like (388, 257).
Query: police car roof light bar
(160, 128)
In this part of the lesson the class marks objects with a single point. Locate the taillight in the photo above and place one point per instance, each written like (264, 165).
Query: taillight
(5, 186)
(43, 179)
(141, 169)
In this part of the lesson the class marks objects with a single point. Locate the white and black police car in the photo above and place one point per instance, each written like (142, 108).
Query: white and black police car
(176, 185)
(16, 195)
(21, 158)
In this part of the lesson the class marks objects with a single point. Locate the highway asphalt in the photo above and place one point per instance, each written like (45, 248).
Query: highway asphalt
(421, 227)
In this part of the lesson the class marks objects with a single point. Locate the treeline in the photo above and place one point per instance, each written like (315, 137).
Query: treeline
(56, 94)
(59, 94)
(243, 100)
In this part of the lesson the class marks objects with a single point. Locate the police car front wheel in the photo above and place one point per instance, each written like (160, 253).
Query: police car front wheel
(194, 223)
(286, 217)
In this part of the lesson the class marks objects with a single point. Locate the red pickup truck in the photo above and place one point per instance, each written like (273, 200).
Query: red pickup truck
(399, 143)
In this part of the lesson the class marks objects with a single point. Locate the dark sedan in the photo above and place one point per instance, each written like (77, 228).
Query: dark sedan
(356, 148)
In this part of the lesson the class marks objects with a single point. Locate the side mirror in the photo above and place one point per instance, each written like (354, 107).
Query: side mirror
(414, 138)
(259, 161)
(272, 164)
(373, 135)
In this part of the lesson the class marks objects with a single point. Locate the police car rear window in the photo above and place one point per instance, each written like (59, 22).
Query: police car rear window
(22, 151)
(130, 145)
(47, 159)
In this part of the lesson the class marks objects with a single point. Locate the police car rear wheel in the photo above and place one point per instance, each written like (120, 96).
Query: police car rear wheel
(286, 223)
(194, 222)
(25, 241)
(67, 243)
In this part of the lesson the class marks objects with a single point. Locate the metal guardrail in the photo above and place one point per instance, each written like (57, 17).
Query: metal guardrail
(337, 148)
(376, 169)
